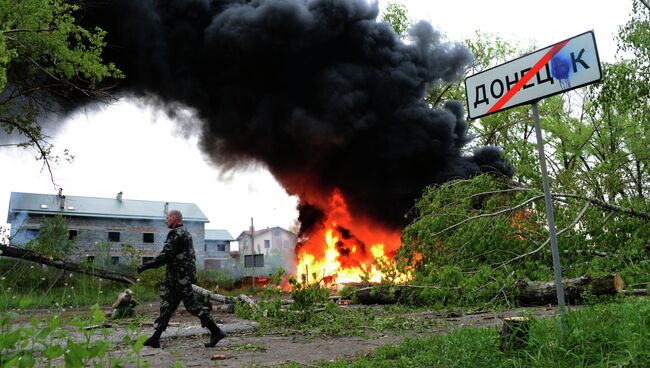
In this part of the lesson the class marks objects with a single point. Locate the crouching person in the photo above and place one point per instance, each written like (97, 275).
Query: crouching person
(124, 306)
(179, 258)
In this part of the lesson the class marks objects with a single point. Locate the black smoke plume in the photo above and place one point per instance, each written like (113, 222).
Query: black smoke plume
(319, 91)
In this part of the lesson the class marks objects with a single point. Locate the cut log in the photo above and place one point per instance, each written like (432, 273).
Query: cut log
(541, 293)
(29, 255)
(213, 296)
(246, 299)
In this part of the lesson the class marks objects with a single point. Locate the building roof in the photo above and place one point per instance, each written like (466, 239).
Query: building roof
(216, 234)
(50, 204)
(262, 231)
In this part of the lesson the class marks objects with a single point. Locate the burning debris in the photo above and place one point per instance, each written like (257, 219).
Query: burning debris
(320, 92)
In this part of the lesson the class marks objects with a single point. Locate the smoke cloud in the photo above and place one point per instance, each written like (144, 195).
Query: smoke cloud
(319, 91)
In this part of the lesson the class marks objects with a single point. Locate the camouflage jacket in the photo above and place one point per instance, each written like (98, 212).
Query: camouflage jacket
(178, 255)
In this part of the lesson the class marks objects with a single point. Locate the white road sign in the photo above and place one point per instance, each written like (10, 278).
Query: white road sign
(563, 66)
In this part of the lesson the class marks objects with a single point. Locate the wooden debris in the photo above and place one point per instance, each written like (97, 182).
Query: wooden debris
(213, 296)
(219, 357)
(541, 293)
(514, 333)
(246, 299)
(637, 291)
(32, 256)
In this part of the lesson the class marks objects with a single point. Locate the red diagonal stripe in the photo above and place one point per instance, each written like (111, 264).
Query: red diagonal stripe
(545, 59)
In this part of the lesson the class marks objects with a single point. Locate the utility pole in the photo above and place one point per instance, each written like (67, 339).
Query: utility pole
(253, 250)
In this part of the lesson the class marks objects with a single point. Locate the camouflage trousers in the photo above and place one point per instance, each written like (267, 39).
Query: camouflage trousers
(170, 298)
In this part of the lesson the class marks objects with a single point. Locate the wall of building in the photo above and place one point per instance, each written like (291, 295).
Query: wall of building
(94, 231)
(278, 247)
(215, 258)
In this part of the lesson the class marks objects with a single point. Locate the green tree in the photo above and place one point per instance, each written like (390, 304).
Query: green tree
(45, 58)
(396, 15)
(54, 239)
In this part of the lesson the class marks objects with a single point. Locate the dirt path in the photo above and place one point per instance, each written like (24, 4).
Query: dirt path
(183, 340)
(245, 348)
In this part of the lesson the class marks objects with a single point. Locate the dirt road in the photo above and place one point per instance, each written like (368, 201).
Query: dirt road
(246, 348)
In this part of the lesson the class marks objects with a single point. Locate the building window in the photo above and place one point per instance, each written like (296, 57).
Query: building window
(267, 244)
(72, 234)
(31, 234)
(90, 259)
(221, 247)
(147, 237)
(115, 260)
(146, 259)
(285, 243)
(114, 236)
(276, 232)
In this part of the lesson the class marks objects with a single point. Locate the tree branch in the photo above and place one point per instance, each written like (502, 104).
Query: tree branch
(23, 30)
(509, 209)
(37, 142)
(605, 205)
(575, 221)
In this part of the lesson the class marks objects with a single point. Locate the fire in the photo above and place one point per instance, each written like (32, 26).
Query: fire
(344, 250)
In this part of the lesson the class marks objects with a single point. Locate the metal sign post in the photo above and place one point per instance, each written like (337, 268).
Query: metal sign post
(558, 68)
(551, 220)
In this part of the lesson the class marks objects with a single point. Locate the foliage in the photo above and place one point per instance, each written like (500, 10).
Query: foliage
(312, 313)
(45, 58)
(4, 236)
(29, 285)
(601, 336)
(215, 279)
(49, 341)
(472, 239)
(53, 239)
(396, 15)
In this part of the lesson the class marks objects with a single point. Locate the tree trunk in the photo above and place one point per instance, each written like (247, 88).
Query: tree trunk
(222, 298)
(214, 296)
(541, 293)
(29, 255)
(531, 294)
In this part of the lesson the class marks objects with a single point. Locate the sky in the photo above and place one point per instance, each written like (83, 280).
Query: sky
(130, 147)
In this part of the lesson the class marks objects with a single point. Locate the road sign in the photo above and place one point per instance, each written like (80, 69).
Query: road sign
(558, 68)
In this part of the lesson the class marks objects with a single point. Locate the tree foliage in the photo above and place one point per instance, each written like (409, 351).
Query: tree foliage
(54, 239)
(396, 15)
(46, 59)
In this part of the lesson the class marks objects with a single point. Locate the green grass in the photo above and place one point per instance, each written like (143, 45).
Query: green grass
(25, 285)
(614, 335)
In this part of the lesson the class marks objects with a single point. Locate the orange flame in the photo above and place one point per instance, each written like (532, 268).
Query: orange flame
(343, 250)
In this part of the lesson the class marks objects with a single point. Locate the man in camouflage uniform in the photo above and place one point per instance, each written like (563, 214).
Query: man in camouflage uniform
(178, 256)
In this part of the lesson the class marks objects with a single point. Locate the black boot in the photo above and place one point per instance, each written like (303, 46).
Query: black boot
(215, 333)
(154, 340)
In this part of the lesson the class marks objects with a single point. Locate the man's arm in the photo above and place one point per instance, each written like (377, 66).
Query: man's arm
(166, 255)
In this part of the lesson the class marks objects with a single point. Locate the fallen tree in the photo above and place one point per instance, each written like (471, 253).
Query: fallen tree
(540, 293)
(32, 256)
(222, 298)
(529, 293)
